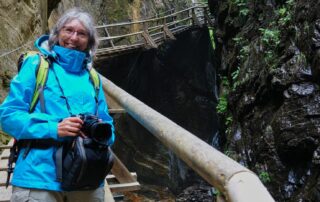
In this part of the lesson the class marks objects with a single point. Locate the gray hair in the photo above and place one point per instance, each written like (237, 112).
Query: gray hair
(87, 21)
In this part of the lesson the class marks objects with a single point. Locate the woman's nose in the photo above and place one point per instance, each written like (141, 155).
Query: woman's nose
(74, 35)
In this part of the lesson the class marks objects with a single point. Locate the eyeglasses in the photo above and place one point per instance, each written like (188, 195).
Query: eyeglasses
(70, 32)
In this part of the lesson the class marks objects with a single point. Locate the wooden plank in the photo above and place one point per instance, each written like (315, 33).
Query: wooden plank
(113, 177)
(5, 154)
(121, 172)
(3, 178)
(5, 146)
(5, 157)
(107, 193)
(3, 168)
(108, 35)
(124, 187)
(5, 194)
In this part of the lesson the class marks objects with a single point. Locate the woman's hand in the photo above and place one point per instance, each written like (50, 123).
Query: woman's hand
(70, 127)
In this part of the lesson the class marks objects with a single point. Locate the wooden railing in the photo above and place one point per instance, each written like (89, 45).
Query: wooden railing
(234, 181)
(149, 33)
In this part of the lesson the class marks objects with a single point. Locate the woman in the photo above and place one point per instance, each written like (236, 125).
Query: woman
(68, 92)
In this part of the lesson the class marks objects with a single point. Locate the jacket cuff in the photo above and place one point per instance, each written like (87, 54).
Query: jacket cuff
(53, 129)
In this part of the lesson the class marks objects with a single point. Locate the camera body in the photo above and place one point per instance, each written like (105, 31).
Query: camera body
(94, 128)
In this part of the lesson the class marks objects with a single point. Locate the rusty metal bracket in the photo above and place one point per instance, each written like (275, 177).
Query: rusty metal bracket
(168, 33)
(149, 42)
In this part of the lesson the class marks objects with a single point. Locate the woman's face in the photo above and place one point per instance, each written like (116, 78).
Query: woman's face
(74, 35)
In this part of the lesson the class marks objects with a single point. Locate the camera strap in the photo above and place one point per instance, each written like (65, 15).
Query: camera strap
(59, 152)
(62, 92)
(65, 98)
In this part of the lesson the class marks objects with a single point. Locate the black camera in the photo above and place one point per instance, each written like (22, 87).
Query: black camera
(95, 129)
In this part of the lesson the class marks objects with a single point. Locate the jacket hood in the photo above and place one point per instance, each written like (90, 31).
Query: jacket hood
(42, 44)
(71, 60)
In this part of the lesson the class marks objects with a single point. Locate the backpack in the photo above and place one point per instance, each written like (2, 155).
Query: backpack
(68, 169)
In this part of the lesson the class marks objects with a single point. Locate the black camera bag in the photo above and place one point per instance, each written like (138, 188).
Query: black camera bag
(83, 164)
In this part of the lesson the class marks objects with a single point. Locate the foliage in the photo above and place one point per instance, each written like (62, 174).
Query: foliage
(234, 76)
(243, 44)
(4, 138)
(270, 37)
(211, 35)
(264, 177)
(242, 5)
(222, 105)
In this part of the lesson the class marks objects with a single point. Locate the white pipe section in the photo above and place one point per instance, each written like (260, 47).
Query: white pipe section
(236, 182)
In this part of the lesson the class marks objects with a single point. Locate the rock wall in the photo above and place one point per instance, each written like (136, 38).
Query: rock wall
(269, 67)
(21, 23)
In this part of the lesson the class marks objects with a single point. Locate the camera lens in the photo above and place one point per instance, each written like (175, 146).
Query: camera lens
(101, 131)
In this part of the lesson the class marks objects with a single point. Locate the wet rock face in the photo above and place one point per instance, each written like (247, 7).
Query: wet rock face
(177, 80)
(275, 98)
(296, 124)
(20, 22)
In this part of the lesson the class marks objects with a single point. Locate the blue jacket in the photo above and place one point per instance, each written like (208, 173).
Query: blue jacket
(38, 169)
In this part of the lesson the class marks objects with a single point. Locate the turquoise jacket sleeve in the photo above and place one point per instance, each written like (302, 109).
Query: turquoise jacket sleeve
(103, 113)
(15, 119)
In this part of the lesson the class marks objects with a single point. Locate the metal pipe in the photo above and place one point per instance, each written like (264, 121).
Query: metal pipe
(236, 182)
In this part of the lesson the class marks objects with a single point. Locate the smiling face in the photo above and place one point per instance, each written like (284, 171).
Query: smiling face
(74, 35)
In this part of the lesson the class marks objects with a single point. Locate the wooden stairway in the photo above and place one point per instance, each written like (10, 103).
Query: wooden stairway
(120, 180)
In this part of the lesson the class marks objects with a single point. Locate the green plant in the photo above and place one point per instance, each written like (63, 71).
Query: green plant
(222, 105)
(4, 138)
(285, 16)
(270, 37)
(235, 76)
(264, 177)
(244, 52)
(285, 13)
(238, 40)
(223, 101)
(229, 120)
(242, 5)
(211, 35)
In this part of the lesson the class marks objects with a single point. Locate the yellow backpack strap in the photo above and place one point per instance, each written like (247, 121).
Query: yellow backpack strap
(94, 77)
(41, 78)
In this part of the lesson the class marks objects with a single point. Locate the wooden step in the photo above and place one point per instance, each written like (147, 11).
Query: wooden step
(125, 187)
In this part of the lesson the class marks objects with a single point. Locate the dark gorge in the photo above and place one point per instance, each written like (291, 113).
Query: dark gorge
(178, 80)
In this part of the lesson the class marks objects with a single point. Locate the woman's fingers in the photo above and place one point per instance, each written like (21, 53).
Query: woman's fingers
(70, 126)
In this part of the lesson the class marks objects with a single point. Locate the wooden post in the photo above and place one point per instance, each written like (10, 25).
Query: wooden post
(195, 20)
(149, 43)
(168, 33)
(107, 33)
